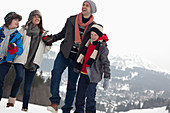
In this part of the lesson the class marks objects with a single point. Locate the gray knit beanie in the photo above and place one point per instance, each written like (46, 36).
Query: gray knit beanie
(92, 5)
(33, 13)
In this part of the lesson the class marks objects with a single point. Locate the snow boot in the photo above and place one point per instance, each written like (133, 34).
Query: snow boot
(53, 108)
(11, 102)
(24, 109)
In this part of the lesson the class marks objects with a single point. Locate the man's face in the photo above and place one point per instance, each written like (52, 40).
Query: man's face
(86, 9)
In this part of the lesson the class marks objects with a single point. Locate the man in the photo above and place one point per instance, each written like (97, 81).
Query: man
(75, 33)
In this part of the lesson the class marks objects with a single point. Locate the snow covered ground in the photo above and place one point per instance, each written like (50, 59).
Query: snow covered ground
(18, 105)
(154, 110)
(41, 109)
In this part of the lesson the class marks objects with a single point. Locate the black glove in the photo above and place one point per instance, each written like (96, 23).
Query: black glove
(48, 40)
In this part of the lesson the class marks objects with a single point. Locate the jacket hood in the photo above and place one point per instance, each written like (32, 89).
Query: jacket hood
(104, 37)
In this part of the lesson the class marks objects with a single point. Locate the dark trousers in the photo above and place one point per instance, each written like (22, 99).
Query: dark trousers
(60, 64)
(29, 77)
(18, 79)
(4, 68)
(20, 72)
(86, 91)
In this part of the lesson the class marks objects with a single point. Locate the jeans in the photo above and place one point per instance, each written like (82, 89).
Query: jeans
(29, 76)
(60, 65)
(19, 69)
(86, 90)
(4, 68)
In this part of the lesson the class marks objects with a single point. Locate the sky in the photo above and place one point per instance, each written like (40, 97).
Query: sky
(139, 27)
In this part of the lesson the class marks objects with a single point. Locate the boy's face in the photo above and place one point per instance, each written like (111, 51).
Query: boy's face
(36, 20)
(14, 23)
(94, 36)
(86, 9)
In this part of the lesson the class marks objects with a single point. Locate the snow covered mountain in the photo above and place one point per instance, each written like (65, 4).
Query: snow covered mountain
(122, 61)
(131, 61)
(134, 81)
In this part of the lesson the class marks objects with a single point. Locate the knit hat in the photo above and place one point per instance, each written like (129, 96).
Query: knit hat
(98, 29)
(33, 13)
(92, 5)
(12, 15)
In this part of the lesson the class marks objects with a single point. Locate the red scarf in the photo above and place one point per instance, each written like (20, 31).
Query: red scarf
(79, 22)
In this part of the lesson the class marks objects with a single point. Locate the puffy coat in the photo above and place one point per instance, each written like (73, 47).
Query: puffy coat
(15, 37)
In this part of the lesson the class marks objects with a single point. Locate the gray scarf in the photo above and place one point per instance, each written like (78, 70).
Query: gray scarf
(5, 42)
(33, 32)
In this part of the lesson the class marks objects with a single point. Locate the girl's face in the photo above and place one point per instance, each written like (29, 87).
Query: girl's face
(94, 36)
(14, 24)
(36, 20)
(86, 9)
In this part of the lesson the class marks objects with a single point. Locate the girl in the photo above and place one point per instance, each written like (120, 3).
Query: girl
(92, 62)
(30, 60)
(10, 45)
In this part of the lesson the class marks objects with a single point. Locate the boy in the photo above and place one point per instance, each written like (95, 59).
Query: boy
(10, 44)
(92, 62)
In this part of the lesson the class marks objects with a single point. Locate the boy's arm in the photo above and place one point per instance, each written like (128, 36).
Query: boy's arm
(105, 62)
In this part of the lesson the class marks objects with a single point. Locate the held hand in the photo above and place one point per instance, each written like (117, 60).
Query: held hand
(48, 40)
(106, 83)
(12, 48)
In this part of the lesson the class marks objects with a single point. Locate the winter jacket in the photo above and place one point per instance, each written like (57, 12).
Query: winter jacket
(42, 48)
(68, 34)
(14, 38)
(100, 66)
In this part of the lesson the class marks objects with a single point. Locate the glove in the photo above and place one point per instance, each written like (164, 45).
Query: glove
(106, 83)
(12, 48)
(88, 71)
(48, 40)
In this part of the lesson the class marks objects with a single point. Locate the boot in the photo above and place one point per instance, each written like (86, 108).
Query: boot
(24, 109)
(53, 108)
(11, 102)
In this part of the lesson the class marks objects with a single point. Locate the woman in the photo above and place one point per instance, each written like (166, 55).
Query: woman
(30, 60)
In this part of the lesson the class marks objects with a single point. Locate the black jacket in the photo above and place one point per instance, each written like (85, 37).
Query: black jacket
(68, 33)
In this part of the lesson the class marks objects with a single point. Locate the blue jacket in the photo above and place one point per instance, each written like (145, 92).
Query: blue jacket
(14, 38)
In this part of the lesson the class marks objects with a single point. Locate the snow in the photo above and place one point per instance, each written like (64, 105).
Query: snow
(131, 61)
(32, 108)
(41, 109)
(18, 105)
(124, 87)
(154, 110)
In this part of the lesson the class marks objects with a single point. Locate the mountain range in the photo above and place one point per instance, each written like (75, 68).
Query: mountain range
(133, 80)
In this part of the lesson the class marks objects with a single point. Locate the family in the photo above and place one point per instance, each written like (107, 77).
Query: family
(83, 51)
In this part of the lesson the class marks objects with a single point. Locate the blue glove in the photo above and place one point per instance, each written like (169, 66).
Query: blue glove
(88, 71)
(106, 83)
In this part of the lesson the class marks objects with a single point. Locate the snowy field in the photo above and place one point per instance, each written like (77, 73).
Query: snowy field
(154, 110)
(41, 109)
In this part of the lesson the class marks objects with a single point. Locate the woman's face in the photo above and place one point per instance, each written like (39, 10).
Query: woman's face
(36, 19)
(14, 24)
